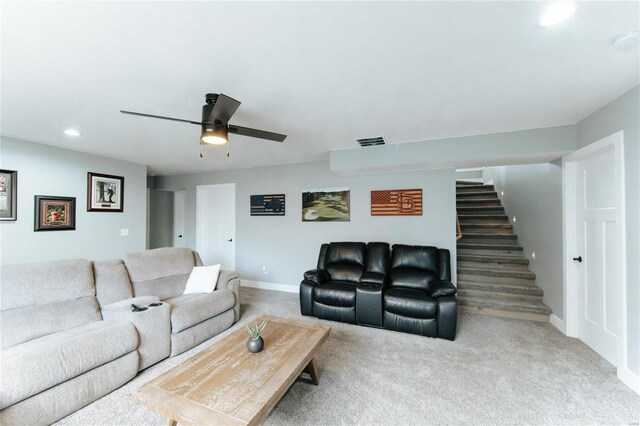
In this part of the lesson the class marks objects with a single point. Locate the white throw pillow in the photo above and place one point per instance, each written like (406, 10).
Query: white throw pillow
(203, 279)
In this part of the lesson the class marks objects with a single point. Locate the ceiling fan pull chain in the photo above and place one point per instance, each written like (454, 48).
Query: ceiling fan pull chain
(228, 148)
(201, 154)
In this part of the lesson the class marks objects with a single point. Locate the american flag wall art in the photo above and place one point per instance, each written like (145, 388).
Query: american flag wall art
(396, 202)
(267, 205)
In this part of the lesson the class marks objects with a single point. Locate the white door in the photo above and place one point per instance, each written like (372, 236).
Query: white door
(178, 218)
(597, 275)
(216, 224)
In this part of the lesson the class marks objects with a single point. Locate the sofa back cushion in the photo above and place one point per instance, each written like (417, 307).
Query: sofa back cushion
(112, 281)
(160, 272)
(345, 261)
(43, 298)
(414, 266)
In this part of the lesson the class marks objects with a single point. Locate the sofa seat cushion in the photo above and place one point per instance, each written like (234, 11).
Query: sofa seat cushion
(410, 302)
(412, 278)
(45, 362)
(335, 293)
(188, 310)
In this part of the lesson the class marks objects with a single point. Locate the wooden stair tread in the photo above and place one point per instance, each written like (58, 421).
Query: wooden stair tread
(478, 246)
(505, 303)
(479, 200)
(512, 288)
(487, 225)
(482, 216)
(470, 194)
(479, 208)
(501, 235)
(502, 273)
(466, 182)
(492, 259)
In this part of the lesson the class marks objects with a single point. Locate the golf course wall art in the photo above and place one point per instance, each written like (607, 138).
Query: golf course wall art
(326, 204)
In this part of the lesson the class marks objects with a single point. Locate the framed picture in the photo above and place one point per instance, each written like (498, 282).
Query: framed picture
(8, 195)
(267, 205)
(326, 205)
(396, 202)
(55, 213)
(105, 193)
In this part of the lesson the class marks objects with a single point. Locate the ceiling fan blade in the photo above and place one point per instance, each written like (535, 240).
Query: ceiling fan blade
(223, 109)
(160, 117)
(255, 133)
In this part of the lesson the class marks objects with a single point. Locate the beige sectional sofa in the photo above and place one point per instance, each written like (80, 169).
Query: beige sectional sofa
(68, 335)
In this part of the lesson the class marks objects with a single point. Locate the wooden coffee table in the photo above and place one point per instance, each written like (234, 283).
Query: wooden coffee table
(226, 384)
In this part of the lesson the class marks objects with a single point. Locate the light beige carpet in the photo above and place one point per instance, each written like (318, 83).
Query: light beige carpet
(498, 371)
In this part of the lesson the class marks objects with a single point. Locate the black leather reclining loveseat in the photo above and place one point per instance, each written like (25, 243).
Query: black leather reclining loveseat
(408, 290)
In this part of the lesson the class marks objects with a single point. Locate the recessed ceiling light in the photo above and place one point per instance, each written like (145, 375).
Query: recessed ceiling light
(556, 13)
(72, 132)
(626, 40)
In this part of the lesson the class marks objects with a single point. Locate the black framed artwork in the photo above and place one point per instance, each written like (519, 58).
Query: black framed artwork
(267, 205)
(105, 193)
(54, 213)
(8, 195)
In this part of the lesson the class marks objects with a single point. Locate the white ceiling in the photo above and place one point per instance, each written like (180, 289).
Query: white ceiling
(323, 73)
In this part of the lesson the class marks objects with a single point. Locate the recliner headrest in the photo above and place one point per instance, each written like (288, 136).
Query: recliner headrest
(346, 252)
(414, 257)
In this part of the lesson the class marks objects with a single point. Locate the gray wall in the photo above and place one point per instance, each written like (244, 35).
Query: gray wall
(46, 170)
(623, 113)
(160, 219)
(288, 246)
(533, 193)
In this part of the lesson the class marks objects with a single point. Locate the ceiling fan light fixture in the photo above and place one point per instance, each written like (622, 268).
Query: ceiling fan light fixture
(556, 13)
(214, 135)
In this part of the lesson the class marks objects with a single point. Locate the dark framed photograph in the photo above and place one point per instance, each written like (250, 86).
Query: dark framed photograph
(55, 213)
(8, 195)
(105, 193)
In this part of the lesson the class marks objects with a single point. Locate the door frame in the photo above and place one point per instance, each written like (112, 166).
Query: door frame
(199, 213)
(175, 208)
(570, 225)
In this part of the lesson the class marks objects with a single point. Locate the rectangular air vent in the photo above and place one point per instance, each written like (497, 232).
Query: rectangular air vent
(377, 140)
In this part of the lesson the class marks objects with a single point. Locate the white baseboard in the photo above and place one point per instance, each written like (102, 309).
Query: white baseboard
(630, 379)
(270, 286)
(558, 323)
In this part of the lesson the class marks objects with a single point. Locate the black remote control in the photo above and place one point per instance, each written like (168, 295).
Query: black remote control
(137, 308)
(155, 304)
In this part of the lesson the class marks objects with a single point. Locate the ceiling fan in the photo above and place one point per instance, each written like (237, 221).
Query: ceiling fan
(216, 114)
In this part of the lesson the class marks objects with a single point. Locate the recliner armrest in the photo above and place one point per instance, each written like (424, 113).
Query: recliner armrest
(373, 278)
(317, 276)
(441, 288)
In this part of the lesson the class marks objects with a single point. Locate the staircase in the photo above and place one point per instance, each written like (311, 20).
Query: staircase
(493, 273)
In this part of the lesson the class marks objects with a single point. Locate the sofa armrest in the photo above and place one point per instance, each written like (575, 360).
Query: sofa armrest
(438, 289)
(317, 276)
(226, 277)
(230, 280)
(306, 297)
(373, 279)
(152, 324)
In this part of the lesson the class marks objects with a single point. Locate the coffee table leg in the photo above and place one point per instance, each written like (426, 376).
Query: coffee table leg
(171, 422)
(312, 370)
